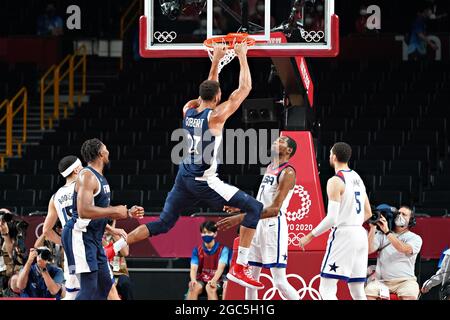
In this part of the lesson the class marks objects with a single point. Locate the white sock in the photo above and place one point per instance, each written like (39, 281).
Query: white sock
(119, 245)
(242, 257)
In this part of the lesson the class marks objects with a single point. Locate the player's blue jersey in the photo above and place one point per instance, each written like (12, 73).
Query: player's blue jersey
(96, 227)
(203, 146)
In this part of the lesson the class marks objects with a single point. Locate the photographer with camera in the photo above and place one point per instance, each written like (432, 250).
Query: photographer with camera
(12, 247)
(7, 241)
(40, 279)
(397, 250)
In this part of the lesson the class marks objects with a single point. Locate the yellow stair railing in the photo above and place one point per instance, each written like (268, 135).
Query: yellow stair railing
(3, 121)
(23, 93)
(82, 65)
(12, 110)
(43, 90)
(128, 18)
(53, 79)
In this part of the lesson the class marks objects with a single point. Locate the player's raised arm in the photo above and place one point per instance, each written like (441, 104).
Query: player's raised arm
(87, 184)
(219, 53)
(226, 109)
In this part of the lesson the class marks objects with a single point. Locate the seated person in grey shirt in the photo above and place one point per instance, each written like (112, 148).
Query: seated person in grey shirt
(441, 277)
(397, 252)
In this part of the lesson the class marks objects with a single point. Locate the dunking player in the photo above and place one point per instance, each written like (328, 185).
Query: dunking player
(269, 247)
(347, 248)
(60, 207)
(83, 233)
(197, 178)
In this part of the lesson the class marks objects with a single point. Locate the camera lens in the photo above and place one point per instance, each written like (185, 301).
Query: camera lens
(45, 254)
(6, 217)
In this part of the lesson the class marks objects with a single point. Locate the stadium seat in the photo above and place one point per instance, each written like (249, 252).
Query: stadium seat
(366, 124)
(115, 181)
(156, 167)
(436, 198)
(127, 197)
(143, 182)
(357, 137)
(396, 183)
(44, 198)
(405, 167)
(156, 198)
(39, 152)
(385, 137)
(9, 182)
(22, 166)
(38, 182)
(370, 167)
(441, 182)
(380, 152)
(48, 167)
(19, 198)
(123, 167)
(393, 198)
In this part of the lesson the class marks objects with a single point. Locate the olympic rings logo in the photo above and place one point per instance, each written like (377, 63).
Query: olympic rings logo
(312, 36)
(294, 239)
(165, 36)
(302, 291)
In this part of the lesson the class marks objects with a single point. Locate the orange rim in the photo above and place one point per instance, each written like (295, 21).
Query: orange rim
(230, 40)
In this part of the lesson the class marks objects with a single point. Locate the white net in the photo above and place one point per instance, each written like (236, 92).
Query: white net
(229, 56)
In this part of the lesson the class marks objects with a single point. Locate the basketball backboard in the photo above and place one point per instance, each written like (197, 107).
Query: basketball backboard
(178, 28)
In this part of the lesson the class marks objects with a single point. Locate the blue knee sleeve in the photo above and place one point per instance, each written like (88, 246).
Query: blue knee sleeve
(159, 226)
(250, 206)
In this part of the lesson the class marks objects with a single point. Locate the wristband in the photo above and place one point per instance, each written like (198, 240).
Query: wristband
(387, 233)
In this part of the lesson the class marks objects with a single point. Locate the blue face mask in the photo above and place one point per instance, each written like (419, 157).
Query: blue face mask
(207, 239)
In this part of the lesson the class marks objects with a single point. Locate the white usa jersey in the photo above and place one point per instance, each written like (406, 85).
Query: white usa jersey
(269, 186)
(351, 210)
(63, 201)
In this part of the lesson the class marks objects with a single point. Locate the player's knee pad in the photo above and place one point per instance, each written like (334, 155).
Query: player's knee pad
(252, 209)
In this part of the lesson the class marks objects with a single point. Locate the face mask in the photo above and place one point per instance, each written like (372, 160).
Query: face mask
(319, 8)
(260, 8)
(363, 12)
(400, 221)
(207, 239)
(308, 21)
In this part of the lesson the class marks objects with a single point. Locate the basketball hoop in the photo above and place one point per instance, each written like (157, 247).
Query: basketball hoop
(229, 40)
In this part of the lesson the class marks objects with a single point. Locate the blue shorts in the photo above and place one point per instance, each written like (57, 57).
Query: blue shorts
(84, 252)
(188, 192)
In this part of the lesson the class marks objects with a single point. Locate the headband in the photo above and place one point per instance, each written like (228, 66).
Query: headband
(70, 169)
